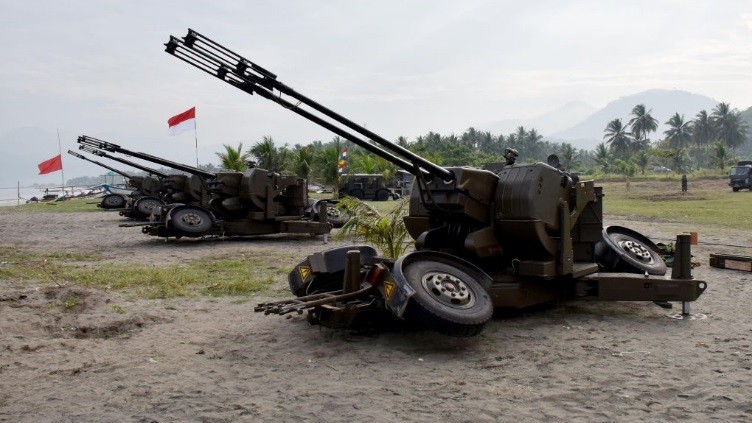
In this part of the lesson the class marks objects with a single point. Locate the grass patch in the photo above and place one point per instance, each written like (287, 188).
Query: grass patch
(206, 276)
(67, 206)
(708, 202)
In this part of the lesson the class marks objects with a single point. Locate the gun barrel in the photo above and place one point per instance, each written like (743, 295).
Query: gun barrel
(100, 153)
(215, 59)
(94, 143)
(119, 172)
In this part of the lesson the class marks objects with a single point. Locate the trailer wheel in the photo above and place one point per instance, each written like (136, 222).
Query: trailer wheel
(337, 217)
(148, 205)
(624, 250)
(382, 195)
(113, 201)
(449, 295)
(191, 221)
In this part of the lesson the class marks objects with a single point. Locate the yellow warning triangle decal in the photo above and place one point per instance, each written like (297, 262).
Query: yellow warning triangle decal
(388, 289)
(304, 272)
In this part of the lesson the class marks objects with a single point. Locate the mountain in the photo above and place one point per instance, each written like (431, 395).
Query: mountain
(664, 103)
(546, 123)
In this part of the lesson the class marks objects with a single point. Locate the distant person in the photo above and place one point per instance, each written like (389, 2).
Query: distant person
(684, 183)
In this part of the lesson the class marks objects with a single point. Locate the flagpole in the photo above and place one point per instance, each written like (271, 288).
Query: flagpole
(60, 150)
(195, 134)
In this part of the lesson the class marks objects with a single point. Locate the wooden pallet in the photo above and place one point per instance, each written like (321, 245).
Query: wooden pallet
(729, 261)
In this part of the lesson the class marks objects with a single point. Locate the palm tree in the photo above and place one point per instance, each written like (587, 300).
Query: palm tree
(364, 163)
(533, 136)
(302, 161)
(568, 156)
(679, 133)
(618, 138)
(269, 156)
(728, 126)
(234, 159)
(702, 131)
(603, 158)
(386, 232)
(326, 162)
(642, 160)
(721, 156)
(642, 123)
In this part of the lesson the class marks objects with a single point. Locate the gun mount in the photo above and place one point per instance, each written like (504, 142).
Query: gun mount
(231, 203)
(527, 235)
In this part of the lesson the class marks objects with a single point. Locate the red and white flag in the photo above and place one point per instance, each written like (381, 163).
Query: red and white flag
(182, 122)
(52, 165)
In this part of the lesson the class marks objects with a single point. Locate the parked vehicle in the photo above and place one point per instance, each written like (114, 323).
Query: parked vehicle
(366, 186)
(740, 176)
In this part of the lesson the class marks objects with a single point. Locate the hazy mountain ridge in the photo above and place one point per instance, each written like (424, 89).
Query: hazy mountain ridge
(662, 103)
(546, 123)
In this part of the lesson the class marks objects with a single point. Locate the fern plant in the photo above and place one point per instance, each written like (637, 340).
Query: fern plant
(386, 232)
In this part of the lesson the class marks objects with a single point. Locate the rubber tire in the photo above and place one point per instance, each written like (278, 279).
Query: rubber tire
(181, 227)
(608, 251)
(113, 201)
(336, 221)
(382, 195)
(451, 321)
(147, 205)
(735, 189)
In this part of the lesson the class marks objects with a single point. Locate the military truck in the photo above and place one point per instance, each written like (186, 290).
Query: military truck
(740, 176)
(366, 186)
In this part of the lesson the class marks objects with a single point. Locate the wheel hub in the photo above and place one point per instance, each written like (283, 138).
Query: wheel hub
(636, 250)
(191, 219)
(448, 289)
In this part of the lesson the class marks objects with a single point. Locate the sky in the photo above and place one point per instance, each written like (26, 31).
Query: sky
(399, 67)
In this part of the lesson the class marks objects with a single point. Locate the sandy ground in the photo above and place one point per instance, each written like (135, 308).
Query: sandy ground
(214, 360)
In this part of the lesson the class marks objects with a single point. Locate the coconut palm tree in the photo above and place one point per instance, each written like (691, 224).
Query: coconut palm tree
(679, 134)
(234, 158)
(618, 138)
(302, 161)
(326, 161)
(728, 126)
(568, 156)
(721, 156)
(269, 156)
(642, 123)
(642, 160)
(702, 130)
(603, 158)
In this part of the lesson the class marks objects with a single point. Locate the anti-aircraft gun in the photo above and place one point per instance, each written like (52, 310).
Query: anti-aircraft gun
(254, 202)
(527, 235)
(150, 190)
(112, 201)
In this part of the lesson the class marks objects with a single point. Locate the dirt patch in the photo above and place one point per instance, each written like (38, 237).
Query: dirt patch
(74, 354)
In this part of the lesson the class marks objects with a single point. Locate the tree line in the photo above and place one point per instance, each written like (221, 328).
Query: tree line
(707, 141)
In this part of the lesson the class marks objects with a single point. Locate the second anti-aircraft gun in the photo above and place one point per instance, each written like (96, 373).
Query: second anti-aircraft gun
(112, 201)
(149, 192)
(527, 235)
(255, 202)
